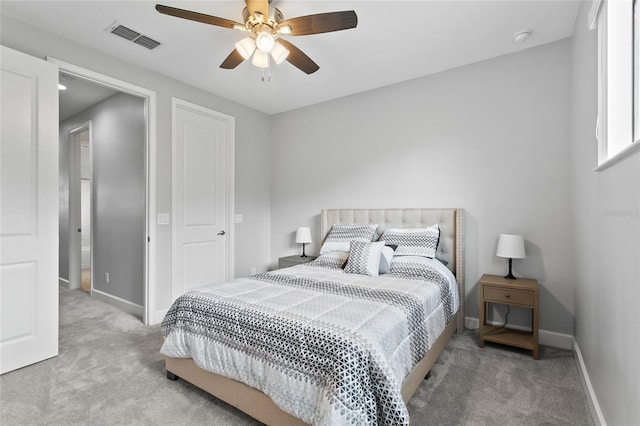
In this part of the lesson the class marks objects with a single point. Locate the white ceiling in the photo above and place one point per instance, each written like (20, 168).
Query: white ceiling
(79, 95)
(394, 41)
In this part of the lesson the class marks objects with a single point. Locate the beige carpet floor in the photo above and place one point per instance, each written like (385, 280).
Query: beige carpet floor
(109, 372)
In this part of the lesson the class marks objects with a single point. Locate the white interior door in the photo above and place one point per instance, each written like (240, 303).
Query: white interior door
(29, 210)
(202, 196)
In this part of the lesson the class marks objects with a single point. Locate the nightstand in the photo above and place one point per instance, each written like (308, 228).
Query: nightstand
(521, 292)
(285, 262)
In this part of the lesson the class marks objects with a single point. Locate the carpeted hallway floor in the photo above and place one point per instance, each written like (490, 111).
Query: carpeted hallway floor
(109, 372)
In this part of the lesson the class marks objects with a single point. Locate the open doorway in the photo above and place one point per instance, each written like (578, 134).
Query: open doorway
(85, 209)
(116, 138)
(80, 207)
(107, 192)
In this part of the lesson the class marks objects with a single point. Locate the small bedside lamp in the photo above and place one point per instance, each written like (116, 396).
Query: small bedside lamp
(511, 246)
(303, 236)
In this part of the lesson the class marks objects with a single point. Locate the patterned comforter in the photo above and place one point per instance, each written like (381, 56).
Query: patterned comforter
(328, 347)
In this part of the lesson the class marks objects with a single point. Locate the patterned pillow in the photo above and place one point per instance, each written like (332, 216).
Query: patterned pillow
(330, 260)
(341, 236)
(364, 258)
(385, 259)
(413, 241)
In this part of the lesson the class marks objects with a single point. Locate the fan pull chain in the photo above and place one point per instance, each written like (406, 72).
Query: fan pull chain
(268, 76)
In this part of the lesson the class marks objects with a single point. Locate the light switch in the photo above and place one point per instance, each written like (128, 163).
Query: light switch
(239, 218)
(163, 218)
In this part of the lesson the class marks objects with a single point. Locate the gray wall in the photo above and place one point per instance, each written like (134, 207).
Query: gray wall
(493, 138)
(118, 193)
(606, 228)
(252, 155)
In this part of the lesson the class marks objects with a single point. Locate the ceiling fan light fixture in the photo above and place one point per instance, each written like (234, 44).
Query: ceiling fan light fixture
(260, 59)
(246, 47)
(279, 53)
(265, 41)
(285, 29)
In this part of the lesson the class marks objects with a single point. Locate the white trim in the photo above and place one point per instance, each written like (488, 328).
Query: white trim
(545, 337)
(594, 407)
(618, 157)
(63, 282)
(592, 15)
(150, 151)
(124, 305)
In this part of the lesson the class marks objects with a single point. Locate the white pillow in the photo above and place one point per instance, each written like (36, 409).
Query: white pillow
(385, 260)
(364, 258)
(340, 236)
(413, 241)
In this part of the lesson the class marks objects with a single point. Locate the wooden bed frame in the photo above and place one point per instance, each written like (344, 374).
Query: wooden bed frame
(450, 248)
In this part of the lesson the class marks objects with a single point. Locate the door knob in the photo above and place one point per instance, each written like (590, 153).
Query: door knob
(221, 232)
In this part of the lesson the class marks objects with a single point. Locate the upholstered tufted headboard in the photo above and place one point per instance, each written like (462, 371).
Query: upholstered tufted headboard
(450, 221)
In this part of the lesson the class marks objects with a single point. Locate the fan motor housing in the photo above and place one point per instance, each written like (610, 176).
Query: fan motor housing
(274, 15)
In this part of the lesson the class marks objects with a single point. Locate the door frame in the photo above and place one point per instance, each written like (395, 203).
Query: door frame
(230, 189)
(75, 188)
(150, 316)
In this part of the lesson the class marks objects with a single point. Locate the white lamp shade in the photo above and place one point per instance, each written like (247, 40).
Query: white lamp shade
(511, 246)
(245, 47)
(260, 59)
(279, 53)
(303, 235)
(264, 41)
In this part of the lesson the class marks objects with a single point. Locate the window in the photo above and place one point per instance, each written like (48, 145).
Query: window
(618, 77)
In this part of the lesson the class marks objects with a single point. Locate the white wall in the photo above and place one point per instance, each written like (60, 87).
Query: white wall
(606, 223)
(492, 137)
(252, 154)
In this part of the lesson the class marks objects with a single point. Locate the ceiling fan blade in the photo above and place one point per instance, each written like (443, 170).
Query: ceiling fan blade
(321, 23)
(195, 16)
(233, 60)
(260, 6)
(299, 59)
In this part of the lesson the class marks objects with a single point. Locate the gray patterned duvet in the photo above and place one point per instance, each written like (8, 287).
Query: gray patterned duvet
(328, 347)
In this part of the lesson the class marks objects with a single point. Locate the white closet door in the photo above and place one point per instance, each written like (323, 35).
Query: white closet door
(202, 140)
(28, 210)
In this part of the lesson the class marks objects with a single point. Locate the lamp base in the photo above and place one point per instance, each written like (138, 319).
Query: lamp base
(510, 276)
(303, 253)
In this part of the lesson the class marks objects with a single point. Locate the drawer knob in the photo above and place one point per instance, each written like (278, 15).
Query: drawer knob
(508, 296)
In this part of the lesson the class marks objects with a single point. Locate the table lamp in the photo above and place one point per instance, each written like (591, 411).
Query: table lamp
(303, 236)
(511, 246)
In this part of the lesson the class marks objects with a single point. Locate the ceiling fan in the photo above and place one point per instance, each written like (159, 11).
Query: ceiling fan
(266, 26)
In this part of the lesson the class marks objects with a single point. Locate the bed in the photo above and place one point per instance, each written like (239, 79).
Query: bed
(376, 386)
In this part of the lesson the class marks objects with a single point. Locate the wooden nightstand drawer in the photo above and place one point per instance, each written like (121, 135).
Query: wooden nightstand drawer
(508, 295)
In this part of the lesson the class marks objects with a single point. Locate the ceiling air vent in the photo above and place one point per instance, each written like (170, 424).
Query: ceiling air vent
(131, 35)
(147, 42)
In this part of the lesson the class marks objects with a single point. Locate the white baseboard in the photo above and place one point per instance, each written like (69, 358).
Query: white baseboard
(123, 305)
(592, 400)
(64, 283)
(545, 337)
